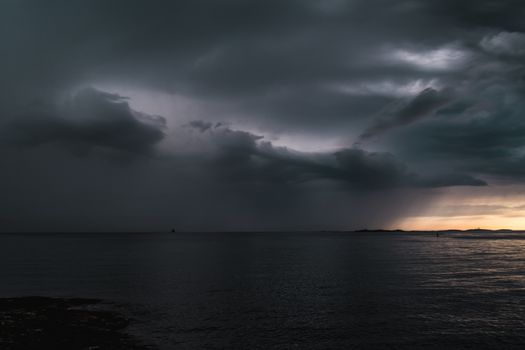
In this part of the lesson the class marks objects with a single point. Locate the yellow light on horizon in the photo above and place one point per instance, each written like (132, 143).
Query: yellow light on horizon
(429, 223)
(492, 207)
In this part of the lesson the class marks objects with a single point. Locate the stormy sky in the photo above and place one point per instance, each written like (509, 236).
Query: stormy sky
(261, 115)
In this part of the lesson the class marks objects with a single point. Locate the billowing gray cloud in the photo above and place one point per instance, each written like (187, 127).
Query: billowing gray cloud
(505, 43)
(239, 156)
(424, 104)
(482, 136)
(88, 121)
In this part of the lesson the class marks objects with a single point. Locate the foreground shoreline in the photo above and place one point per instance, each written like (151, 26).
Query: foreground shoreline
(60, 323)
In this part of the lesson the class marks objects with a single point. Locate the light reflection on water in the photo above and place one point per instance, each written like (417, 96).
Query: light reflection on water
(286, 290)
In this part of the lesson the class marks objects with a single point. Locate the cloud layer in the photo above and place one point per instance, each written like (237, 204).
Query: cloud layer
(228, 101)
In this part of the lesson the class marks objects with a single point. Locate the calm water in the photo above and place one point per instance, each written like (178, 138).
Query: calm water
(286, 290)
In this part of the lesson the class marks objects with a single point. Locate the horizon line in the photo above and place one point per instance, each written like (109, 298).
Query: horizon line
(263, 231)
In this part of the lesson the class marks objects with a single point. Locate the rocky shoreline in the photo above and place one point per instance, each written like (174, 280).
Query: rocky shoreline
(54, 323)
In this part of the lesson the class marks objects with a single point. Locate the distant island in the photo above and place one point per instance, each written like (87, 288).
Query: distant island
(478, 230)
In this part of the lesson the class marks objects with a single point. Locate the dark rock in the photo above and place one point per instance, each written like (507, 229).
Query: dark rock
(50, 323)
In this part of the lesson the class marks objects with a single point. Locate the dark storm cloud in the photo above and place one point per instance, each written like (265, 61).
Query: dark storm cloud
(483, 137)
(88, 121)
(233, 180)
(434, 87)
(472, 14)
(239, 156)
(243, 52)
(424, 104)
(491, 146)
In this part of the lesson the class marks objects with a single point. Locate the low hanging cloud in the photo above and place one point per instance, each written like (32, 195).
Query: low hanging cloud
(425, 104)
(88, 121)
(485, 137)
(245, 157)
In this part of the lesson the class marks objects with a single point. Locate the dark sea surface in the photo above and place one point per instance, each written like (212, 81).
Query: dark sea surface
(287, 290)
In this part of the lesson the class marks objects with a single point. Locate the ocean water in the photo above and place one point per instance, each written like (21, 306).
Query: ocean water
(286, 290)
